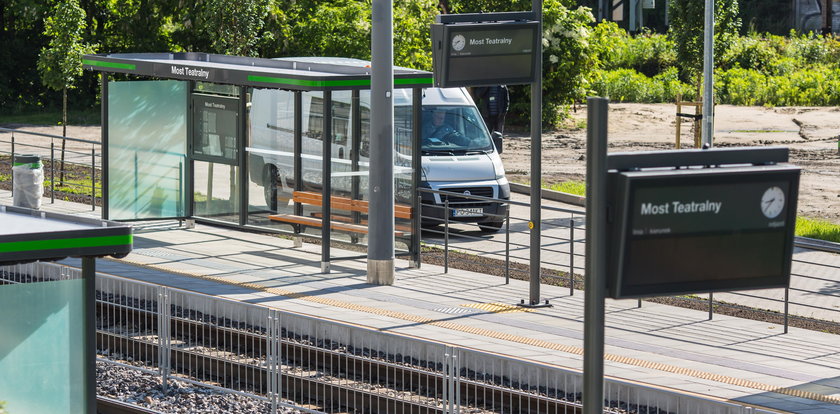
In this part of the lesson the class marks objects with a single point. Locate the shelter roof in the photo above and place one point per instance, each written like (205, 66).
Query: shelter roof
(305, 73)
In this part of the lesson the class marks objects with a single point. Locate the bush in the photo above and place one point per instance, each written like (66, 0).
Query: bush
(739, 86)
(628, 85)
(648, 53)
(750, 52)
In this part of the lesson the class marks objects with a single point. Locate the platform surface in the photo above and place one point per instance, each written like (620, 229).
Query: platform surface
(729, 358)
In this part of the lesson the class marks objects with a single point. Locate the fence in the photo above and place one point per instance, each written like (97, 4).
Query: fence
(75, 156)
(812, 296)
(286, 360)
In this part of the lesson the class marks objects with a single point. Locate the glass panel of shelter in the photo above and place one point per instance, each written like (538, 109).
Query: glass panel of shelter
(285, 176)
(215, 154)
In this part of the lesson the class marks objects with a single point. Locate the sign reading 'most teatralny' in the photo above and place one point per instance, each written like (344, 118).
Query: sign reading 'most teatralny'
(484, 53)
(710, 229)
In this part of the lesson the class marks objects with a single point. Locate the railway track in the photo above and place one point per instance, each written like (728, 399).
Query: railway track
(318, 374)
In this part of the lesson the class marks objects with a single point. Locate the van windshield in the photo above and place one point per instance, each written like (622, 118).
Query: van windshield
(454, 130)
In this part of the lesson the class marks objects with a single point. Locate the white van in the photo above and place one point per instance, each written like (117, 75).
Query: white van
(458, 153)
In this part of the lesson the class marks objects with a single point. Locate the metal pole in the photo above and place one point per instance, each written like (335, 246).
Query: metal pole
(572, 256)
(711, 305)
(380, 264)
(787, 302)
(536, 165)
(92, 178)
(708, 74)
(446, 235)
(596, 256)
(416, 163)
(326, 184)
(52, 172)
(103, 147)
(89, 336)
(507, 246)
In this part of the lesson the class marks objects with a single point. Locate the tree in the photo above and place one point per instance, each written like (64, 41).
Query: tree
(233, 27)
(60, 63)
(687, 27)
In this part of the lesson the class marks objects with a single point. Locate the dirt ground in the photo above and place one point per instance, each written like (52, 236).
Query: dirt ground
(812, 135)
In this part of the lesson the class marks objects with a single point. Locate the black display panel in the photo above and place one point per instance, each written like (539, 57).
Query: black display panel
(701, 230)
(481, 54)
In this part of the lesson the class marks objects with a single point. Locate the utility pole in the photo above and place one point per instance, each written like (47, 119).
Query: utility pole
(708, 120)
(380, 263)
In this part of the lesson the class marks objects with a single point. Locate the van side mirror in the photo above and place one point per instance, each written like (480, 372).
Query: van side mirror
(497, 141)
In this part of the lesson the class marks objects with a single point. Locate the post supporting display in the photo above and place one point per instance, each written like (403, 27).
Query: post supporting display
(536, 168)
(596, 255)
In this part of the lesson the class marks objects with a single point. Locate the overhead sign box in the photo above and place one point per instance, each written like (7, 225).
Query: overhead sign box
(484, 53)
(681, 231)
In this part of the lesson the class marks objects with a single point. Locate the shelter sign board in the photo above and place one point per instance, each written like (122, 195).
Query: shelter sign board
(701, 230)
(484, 53)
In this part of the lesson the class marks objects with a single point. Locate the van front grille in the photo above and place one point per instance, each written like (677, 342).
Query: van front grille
(464, 193)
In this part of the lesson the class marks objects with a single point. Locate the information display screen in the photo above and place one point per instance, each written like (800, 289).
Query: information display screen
(703, 230)
(476, 54)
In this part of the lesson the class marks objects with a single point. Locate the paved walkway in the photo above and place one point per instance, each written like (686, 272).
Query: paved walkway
(729, 358)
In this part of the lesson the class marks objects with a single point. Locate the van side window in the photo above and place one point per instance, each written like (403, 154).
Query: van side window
(315, 123)
(341, 122)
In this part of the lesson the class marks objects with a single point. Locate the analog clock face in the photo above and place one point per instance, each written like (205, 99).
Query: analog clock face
(772, 202)
(458, 42)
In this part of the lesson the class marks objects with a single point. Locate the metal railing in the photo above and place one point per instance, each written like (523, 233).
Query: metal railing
(508, 248)
(287, 360)
(562, 256)
(90, 160)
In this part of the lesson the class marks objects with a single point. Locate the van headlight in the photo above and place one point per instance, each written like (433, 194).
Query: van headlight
(498, 167)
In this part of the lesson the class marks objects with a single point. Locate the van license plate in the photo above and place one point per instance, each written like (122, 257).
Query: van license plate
(468, 212)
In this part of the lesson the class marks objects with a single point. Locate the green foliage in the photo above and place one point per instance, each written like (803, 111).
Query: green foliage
(751, 51)
(687, 23)
(817, 229)
(818, 86)
(628, 85)
(234, 27)
(646, 52)
(60, 64)
(569, 187)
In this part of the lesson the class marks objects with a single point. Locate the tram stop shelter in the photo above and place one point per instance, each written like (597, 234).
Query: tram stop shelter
(276, 145)
(48, 345)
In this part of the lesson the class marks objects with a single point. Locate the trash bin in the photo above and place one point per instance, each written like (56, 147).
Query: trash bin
(28, 176)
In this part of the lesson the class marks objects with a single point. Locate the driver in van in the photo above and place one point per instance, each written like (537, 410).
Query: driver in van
(438, 128)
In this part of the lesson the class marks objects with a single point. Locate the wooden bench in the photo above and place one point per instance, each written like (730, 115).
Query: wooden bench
(338, 222)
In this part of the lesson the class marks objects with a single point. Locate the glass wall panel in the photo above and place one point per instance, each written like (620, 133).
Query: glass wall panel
(147, 145)
(404, 191)
(215, 191)
(344, 168)
(312, 113)
(270, 155)
(41, 348)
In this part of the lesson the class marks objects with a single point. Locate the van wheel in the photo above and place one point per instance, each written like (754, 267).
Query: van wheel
(270, 187)
(491, 226)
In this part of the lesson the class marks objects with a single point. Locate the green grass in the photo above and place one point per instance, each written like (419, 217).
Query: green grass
(89, 116)
(817, 229)
(570, 187)
(74, 186)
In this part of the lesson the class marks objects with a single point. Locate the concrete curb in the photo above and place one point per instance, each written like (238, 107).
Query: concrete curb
(551, 195)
